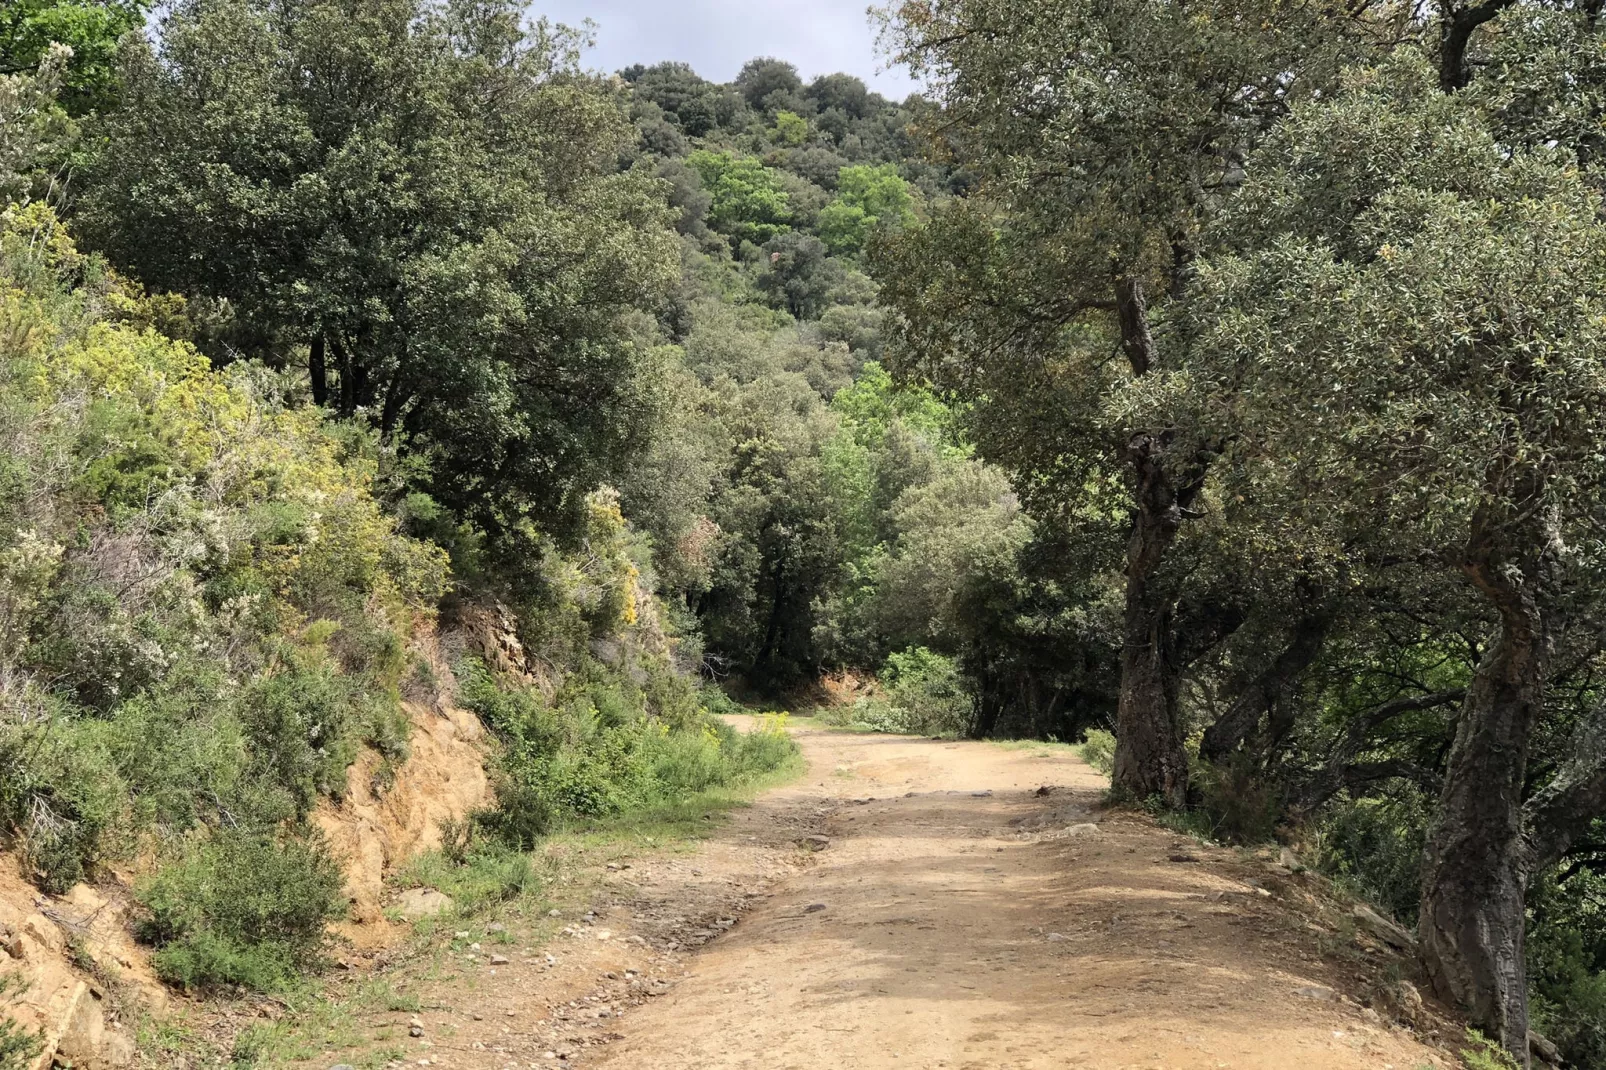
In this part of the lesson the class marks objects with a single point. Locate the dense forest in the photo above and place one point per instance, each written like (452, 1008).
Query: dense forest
(1227, 376)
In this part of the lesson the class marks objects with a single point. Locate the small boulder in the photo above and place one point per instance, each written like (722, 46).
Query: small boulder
(1321, 992)
(1384, 929)
(1543, 1050)
(422, 903)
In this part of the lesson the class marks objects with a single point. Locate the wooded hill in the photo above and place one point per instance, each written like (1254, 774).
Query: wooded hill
(1226, 376)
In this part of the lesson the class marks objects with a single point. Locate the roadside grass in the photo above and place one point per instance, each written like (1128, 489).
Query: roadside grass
(1051, 746)
(329, 1021)
(834, 719)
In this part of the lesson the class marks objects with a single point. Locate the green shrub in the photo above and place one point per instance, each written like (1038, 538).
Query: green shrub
(482, 874)
(1566, 949)
(1240, 805)
(930, 689)
(296, 721)
(18, 1047)
(1373, 846)
(879, 715)
(196, 579)
(63, 796)
(599, 748)
(241, 909)
(686, 762)
(762, 751)
(1485, 1054)
(523, 814)
(925, 694)
(716, 703)
(1098, 750)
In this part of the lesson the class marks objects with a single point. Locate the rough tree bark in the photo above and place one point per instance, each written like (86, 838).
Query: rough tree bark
(1149, 756)
(1477, 863)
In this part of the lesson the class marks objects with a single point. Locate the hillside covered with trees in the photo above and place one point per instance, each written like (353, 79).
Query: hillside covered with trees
(1229, 378)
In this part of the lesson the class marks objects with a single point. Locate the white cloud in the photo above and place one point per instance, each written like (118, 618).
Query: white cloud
(717, 36)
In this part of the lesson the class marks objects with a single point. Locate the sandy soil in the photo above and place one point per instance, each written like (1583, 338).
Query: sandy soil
(957, 919)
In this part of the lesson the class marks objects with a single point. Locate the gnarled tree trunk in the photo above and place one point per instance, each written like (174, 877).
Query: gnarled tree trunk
(1477, 863)
(317, 371)
(1149, 756)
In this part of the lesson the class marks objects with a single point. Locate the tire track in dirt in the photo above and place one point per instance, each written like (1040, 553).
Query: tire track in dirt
(957, 919)
(960, 920)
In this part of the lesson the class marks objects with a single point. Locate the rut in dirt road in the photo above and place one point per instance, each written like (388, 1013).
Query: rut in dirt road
(960, 919)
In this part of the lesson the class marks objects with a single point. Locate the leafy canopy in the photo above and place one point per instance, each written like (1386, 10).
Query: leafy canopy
(419, 203)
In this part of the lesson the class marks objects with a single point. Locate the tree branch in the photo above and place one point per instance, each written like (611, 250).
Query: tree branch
(1341, 768)
(1561, 813)
(1455, 33)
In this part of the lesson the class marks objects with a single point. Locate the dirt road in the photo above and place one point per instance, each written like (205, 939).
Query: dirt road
(956, 918)
(960, 920)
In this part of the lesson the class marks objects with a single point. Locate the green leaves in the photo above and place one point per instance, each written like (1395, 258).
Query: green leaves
(1417, 318)
(748, 202)
(417, 202)
(91, 29)
(866, 197)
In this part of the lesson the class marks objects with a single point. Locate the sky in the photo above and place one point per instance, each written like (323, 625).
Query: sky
(717, 36)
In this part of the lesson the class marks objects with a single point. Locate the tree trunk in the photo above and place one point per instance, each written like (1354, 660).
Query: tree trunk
(318, 371)
(1149, 756)
(989, 705)
(396, 395)
(348, 380)
(1476, 864)
(772, 631)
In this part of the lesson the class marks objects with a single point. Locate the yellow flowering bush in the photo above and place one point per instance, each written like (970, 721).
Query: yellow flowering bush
(203, 602)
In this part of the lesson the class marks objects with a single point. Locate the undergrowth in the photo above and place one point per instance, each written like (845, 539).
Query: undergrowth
(18, 1047)
(1098, 750)
(923, 693)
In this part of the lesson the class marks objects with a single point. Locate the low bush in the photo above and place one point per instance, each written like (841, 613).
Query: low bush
(240, 909)
(1482, 1053)
(203, 600)
(1373, 847)
(18, 1047)
(479, 873)
(925, 695)
(1238, 804)
(1566, 946)
(597, 748)
(1098, 750)
(930, 689)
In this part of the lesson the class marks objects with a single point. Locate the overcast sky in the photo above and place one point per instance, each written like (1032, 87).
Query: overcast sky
(717, 36)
